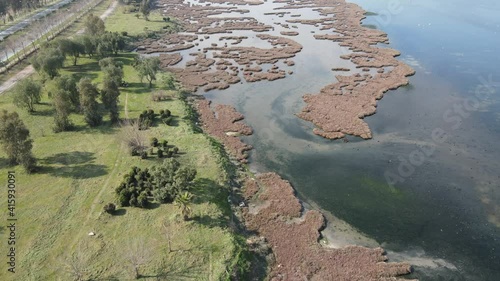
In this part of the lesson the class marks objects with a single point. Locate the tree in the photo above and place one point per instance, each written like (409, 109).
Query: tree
(67, 84)
(145, 8)
(75, 265)
(89, 44)
(27, 93)
(109, 96)
(147, 68)
(70, 47)
(88, 102)
(167, 81)
(109, 208)
(48, 61)
(183, 201)
(137, 255)
(133, 137)
(62, 105)
(94, 25)
(112, 69)
(16, 141)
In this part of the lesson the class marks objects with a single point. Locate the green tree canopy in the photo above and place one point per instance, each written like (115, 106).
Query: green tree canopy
(88, 102)
(27, 93)
(94, 25)
(148, 68)
(71, 47)
(67, 84)
(16, 141)
(48, 61)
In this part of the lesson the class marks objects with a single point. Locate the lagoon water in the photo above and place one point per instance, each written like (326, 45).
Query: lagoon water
(433, 202)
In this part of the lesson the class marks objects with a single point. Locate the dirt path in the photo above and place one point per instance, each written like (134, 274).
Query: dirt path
(27, 71)
(7, 85)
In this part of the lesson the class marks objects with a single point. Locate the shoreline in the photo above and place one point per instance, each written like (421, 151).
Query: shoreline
(271, 206)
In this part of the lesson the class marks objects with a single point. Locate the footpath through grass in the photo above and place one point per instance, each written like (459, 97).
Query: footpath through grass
(57, 207)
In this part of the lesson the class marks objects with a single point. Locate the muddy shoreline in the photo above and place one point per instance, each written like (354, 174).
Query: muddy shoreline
(271, 208)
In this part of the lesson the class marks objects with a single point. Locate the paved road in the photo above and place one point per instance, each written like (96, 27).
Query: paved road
(23, 24)
(27, 71)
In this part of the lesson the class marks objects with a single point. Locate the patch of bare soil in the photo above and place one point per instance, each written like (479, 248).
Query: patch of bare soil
(294, 237)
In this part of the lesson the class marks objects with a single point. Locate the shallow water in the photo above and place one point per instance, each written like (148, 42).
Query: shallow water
(441, 211)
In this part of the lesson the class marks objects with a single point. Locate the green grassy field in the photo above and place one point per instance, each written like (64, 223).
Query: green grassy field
(57, 207)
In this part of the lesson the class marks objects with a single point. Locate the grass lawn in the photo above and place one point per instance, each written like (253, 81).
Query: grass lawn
(58, 206)
(135, 25)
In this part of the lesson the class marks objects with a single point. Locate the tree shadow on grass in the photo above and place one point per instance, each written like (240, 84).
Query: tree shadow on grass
(138, 88)
(43, 112)
(175, 272)
(71, 158)
(105, 128)
(76, 164)
(119, 212)
(210, 221)
(4, 163)
(207, 190)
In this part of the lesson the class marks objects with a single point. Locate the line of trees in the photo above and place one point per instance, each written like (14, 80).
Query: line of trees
(10, 8)
(49, 25)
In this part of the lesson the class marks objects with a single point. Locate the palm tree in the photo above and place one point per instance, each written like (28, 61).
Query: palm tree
(183, 200)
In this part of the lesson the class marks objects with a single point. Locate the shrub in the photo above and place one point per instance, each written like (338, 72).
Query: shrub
(109, 208)
(144, 155)
(154, 142)
(164, 144)
(124, 33)
(160, 153)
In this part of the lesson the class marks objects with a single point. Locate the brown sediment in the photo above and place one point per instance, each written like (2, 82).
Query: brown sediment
(167, 43)
(289, 33)
(340, 69)
(225, 123)
(293, 234)
(237, 39)
(167, 60)
(274, 212)
(339, 108)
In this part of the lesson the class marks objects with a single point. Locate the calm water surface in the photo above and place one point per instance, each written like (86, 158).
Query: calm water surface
(443, 212)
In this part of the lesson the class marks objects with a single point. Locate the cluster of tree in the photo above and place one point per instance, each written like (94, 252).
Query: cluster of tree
(51, 56)
(50, 25)
(113, 76)
(16, 141)
(142, 6)
(162, 148)
(148, 117)
(10, 8)
(68, 96)
(163, 183)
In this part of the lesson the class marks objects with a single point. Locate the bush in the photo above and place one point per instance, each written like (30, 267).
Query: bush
(160, 153)
(164, 144)
(175, 150)
(163, 182)
(109, 208)
(124, 33)
(154, 142)
(144, 155)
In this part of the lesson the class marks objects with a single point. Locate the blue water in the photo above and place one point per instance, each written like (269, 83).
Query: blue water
(443, 213)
